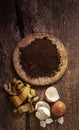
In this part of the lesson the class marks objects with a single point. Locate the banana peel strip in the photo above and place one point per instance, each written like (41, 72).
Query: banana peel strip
(25, 108)
(18, 100)
(7, 88)
(22, 96)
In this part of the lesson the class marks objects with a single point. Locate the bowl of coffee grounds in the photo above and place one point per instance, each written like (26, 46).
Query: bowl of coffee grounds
(40, 59)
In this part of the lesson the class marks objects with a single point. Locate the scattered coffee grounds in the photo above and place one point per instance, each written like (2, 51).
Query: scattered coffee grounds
(40, 58)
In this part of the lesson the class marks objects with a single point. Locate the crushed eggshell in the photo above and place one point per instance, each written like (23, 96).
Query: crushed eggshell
(60, 120)
(43, 124)
(49, 120)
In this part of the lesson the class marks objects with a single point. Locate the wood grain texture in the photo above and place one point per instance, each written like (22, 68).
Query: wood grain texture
(9, 36)
(60, 18)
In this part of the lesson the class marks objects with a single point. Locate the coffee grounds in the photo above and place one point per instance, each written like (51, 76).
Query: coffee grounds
(40, 58)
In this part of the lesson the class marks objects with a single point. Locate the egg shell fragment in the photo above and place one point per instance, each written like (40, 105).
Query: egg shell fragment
(40, 104)
(49, 121)
(43, 124)
(43, 113)
(51, 94)
(60, 120)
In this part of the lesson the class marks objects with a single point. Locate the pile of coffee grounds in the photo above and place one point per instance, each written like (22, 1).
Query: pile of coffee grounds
(40, 58)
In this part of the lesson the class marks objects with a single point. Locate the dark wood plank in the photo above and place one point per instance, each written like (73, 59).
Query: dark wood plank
(61, 19)
(56, 17)
(9, 36)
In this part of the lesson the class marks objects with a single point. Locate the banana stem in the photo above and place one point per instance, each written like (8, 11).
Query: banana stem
(28, 121)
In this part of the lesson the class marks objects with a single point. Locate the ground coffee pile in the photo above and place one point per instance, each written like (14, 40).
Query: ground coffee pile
(40, 58)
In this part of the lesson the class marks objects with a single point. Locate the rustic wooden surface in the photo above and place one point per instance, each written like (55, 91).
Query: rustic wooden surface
(19, 18)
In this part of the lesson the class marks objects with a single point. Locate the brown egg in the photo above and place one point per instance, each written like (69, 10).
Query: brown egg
(58, 108)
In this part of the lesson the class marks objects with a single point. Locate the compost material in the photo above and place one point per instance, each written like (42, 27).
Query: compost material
(40, 58)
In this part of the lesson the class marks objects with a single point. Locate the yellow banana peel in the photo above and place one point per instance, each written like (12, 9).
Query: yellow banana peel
(24, 93)
(28, 85)
(28, 107)
(18, 92)
(16, 100)
(18, 83)
(33, 92)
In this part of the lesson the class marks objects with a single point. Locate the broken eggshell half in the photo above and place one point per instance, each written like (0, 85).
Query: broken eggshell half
(51, 94)
(40, 104)
(43, 113)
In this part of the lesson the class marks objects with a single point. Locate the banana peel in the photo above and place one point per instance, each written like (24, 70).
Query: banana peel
(18, 83)
(16, 100)
(28, 107)
(35, 99)
(8, 89)
(24, 93)
(20, 93)
(33, 92)
(28, 85)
